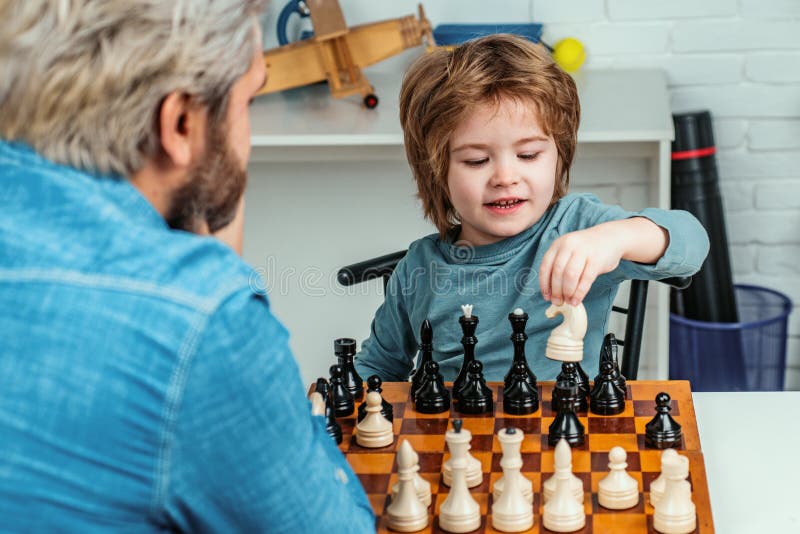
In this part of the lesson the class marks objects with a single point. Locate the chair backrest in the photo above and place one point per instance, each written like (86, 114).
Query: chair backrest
(383, 266)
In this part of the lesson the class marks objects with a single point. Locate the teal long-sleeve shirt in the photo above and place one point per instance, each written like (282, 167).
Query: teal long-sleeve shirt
(436, 277)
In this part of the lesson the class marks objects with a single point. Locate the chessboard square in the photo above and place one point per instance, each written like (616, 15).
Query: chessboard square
(481, 442)
(650, 460)
(621, 521)
(424, 426)
(379, 502)
(611, 425)
(425, 442)
(376, 463)
(528, 424)
(375, 482)
(530, 462)
(643, 408)
(429, 462)
(398, 408)
(605, 442)
(485, 458)
(597, 476)
(483, 426)
(600, 462)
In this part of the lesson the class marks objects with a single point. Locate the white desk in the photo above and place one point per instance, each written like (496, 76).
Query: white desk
(751, 448)
(336, 151)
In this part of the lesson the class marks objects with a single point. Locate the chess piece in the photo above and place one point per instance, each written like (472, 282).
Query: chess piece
(562, 512)
(675, 513)
(512, 511)
(608, 353)
(468, 324)
(345, 350)
(375, 430)
(511, 441)
(343, 403)
(406, 513)
(569, 373)
(657, 485)
(562, 462)
(662, 432)
(459, 512)
(317, 404)
(425, 356)
(475, 396)
(432, 397)
(566, 340)
(618, 490)
(566, 424)
(460, 449)
(421, 486)
(374, 384)
(518, 320)
(519, 398)
(333, 428)
(607, 398)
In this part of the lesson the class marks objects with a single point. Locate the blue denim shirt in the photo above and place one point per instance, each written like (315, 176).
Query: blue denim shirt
(143, 385)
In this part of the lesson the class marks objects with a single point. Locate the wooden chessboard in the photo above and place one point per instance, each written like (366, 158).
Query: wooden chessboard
(377, 468)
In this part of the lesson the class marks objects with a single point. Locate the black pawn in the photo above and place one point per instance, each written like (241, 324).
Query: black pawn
(569, 374)
(374, 384)
(468, 340)
(518, 338)
(566, 425)
(519, 398)
(345, 350)
(475, 396)
(425, 356)
(607, 398)
(432, 396)
(662, 432)
(608, 353)
(333, 428)
(343, 403)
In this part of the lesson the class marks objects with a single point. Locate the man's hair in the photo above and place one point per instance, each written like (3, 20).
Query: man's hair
(83, 80)
(441, 88)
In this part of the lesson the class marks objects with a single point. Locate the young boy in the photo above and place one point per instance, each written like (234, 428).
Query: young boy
(490, 132)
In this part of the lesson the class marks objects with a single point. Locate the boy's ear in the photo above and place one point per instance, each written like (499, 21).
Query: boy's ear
(182, 125)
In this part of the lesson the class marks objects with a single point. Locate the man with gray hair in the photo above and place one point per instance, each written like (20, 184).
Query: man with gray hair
(143, 385)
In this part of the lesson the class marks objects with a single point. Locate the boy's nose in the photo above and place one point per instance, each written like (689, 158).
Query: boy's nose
(504, 176)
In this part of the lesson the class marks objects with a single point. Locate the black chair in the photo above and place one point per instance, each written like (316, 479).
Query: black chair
(383, 266)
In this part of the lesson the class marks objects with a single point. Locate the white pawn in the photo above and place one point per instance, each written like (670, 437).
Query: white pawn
(461, 450)
(563, 513)
(421, 486)
(406, 513)
(317, 403)
(511, 443)
(675, 512)
(374, 430)
(459, 512)
(657, 486)
(512, 512)
(618, 490)
(562, 461)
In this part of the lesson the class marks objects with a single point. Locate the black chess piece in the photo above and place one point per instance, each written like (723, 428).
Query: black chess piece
(519, 398)
(608, 353)
(432, 396)
(662, 432)
(468, 340)
(569, 374)
(607, 398)
(333, 428)
(475, 396)
(518, 338)
(583, 379)
(566, 424)
(374, 383)
(425, 356)
(343, 402)
(345, 350)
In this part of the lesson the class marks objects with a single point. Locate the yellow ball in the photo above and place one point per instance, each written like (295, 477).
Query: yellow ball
(569, 54)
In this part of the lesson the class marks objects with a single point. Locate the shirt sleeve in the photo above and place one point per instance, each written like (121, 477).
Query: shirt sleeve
(688, 240)
(246, 454)
(390, 348)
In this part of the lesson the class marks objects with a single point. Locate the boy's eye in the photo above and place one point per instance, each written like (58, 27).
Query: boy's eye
(476, 162)
(530, 156)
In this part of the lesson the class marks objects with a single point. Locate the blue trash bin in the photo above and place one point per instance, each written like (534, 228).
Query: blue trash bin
(746, 356)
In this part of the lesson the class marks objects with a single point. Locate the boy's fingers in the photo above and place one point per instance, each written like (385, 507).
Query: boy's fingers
(587, 279)
(572, 276)
(557, 277)
(545, 270)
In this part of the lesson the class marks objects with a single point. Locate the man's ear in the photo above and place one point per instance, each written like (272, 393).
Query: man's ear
(182, 124)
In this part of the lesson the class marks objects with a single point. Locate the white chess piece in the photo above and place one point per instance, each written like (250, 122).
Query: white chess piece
(657, 485)
(421, 486)
(618, 490)
(511, 443)
(562, 462)
(374, 430)
(675, 513)
(317, 403)
(565, 343)
(461, 450)
(562, 512)
(406, 513)
(513, 511)
(459, 512)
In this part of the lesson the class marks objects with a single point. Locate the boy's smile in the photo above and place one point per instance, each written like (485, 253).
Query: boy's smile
(502, 171)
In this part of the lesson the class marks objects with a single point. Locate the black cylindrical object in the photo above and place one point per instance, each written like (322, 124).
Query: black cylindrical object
(695, 188)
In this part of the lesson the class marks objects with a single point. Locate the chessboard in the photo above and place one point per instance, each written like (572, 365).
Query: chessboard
(377, 468)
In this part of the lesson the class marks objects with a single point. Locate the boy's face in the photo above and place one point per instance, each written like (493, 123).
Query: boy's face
(502, 171)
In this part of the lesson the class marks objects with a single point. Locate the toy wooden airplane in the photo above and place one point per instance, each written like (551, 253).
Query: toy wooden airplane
(337, 53)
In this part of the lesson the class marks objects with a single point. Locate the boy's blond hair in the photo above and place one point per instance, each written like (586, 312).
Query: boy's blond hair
(443, 86)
